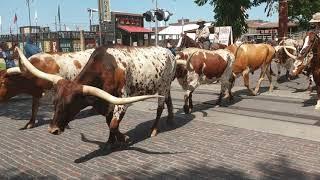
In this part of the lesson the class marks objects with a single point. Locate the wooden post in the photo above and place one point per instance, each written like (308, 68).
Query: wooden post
(283, 19)
(82, 43)
(130, 39)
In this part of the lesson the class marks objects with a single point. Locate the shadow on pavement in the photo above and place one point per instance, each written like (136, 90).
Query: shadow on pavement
(281, 168)
(140, 133)
(15, 173)
(21, 108)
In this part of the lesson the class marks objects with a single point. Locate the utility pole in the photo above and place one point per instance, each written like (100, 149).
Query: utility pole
(156, 24)
(100, 5)
(283, 20)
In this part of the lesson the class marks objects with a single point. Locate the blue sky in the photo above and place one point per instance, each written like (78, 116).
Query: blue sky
(74, 12)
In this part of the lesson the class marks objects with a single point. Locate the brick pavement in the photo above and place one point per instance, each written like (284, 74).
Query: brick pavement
(192, 149)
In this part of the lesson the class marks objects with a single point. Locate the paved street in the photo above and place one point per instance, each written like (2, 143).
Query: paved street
(270, 136)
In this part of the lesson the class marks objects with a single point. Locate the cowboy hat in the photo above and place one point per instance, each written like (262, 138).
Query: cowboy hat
(200, 21)
(315, 18)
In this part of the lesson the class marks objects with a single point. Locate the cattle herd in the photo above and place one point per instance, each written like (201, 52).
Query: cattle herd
(110, 78)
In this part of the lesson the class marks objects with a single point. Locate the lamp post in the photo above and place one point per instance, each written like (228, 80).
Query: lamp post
(91, 11)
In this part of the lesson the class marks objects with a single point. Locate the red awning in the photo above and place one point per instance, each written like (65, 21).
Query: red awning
(135, 29)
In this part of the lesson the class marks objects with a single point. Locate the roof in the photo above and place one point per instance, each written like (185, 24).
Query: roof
(135, 29)
(176, 30)
(258, 24)
(125, 13)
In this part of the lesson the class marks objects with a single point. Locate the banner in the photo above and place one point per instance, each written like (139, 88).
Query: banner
(224, 34)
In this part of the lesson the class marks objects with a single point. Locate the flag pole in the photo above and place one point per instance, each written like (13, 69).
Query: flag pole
(28, 4)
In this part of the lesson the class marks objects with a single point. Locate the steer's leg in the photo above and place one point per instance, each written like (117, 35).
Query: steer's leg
(35, 108)
(270, 79)
(154, 128)
(168, 101)
(317, 107)
(186, 102)
(193, 83)
(115, 135)
(263, 72)
(279, 71)
(245, 75)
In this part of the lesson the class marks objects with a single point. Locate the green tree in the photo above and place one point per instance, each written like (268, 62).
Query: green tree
(302, 11)
(299, 10)
(229, 13)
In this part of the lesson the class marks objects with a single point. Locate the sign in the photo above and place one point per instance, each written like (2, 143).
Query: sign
(224, 34)
(105, 12)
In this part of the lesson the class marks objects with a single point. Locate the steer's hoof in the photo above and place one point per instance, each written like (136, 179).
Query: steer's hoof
(28, 126)
(154, 132)
(186, 109)
(254, 93)
(271, 89)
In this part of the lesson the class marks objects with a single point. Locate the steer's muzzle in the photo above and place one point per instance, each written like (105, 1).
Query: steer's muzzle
(55, 130)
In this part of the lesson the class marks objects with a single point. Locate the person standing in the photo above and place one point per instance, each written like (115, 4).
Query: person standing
(169, 45)
(6, 55)
(30, 48)
(202, 34)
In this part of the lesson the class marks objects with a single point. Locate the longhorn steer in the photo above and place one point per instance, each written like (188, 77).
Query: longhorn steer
(13, 82)
(204, 67)
(282, 58)
(114, 72)
(250, 57)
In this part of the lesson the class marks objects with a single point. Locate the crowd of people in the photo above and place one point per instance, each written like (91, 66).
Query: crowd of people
(30, 48)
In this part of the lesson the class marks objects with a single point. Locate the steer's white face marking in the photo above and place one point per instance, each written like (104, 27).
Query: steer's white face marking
(305, 44)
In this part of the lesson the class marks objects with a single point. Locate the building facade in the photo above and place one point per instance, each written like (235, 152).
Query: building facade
(126, 29)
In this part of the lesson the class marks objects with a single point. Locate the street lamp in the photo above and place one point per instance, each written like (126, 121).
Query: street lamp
(91, 11)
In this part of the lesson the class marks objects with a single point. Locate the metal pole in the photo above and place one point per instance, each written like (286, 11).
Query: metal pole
(100, 29)
(156, 21)
(28, 3)
(90, 19)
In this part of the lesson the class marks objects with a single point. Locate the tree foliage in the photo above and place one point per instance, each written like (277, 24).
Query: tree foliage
(299, 10)
(229, 12)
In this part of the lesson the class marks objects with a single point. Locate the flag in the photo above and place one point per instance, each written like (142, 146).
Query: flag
(15, 19)
(0, 20)
(59, 19)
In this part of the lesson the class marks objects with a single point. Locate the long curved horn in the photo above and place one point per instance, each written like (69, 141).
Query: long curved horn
(181, 62)
(25, 62)
(14, 70)
(189, 65)
(288, 53)
(90, 90)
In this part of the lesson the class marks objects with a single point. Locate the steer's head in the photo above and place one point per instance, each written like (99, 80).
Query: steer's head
(8, 80)
(304, 58)
(68, 101)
